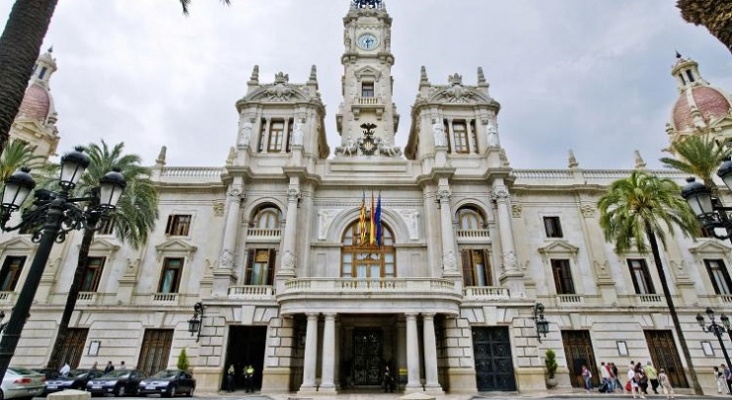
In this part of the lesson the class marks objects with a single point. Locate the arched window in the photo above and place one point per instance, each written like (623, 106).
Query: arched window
(267, 218)
(360, 259)
(469, 219)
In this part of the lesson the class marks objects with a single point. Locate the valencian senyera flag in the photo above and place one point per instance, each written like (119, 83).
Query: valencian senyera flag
(362, 219)
(372, 226)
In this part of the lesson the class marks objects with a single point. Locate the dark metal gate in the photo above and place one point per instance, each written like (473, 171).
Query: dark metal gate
(493, 362)
(155, 350)
(367, 354)
(578, 349)
(73, 347)
(664, 355)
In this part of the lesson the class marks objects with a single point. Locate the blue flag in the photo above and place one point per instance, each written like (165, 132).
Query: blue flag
(377, 221)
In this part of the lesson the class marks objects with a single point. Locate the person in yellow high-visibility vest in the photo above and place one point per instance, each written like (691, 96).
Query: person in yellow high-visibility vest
(249, 378)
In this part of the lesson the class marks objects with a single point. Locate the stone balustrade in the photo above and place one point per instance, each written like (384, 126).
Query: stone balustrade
(472, 233)
(263, 233)
(385, 285)
(367, 101)
(165, 298)
(486, 293)
(252, 292)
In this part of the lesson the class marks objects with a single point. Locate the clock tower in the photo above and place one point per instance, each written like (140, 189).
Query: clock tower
(367, 119)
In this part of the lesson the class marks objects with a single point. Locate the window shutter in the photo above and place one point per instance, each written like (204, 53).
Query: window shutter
(633, 276)
(248, 271)
(567, 275)
(467, 268)
(488, 267)
(169, 226)
(647, 277)
(271, 266)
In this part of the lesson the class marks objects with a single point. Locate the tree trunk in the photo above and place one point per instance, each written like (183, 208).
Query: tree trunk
(20, 45)
(63, 326)
(672, 308)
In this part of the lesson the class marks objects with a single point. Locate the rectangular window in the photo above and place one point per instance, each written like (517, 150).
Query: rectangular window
(476, 268)
(367, 89)
(170, 278)
(446, 125)
(290, 125)
(43, 73)
(107, 227)
(276, 136)
(473, 137)
(260, 267)
(719, 276)
(562, 277)
(262, 133)
(93, 273)
(10, 273)
(553, 227)
(641, 277)
(178, 225)
(460, 136)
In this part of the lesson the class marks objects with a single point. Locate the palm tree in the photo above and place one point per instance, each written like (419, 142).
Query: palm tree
(699, 156)
(20, 45)
(644, 207)
(18, 154)
(134, 218)
(716, 16)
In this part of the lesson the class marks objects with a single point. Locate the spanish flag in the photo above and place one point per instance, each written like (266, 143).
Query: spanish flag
(372, 223)
(362, 220)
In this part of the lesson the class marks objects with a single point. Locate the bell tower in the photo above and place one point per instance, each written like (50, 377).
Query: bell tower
(367, 119)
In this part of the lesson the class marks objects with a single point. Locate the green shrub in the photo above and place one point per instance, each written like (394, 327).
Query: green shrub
(550, 362)
(183, 360)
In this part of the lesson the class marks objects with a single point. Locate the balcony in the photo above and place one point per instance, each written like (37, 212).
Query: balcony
(86, 297)
(263, 233)
(373, 104)
(366, 295)
(569, 299)
(472, 234)
(252, 292)
(473, 293)
(650, 300)
(165, 298)
(7, 297)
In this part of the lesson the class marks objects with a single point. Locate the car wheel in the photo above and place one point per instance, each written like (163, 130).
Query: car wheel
(2, 394)
(172, 392)
(190, 392)
(120, 392)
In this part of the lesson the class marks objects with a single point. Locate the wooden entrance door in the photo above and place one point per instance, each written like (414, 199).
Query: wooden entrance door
(73, 347)
(493, 362)
(246, 347)
(578, 349)
(155, 350)
(664, 355)
(368, 350)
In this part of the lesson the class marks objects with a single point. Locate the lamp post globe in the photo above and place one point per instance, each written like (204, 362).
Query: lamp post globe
(18, 187)
(73, 165)
(725, 172)
(111, 187)
(699, 198)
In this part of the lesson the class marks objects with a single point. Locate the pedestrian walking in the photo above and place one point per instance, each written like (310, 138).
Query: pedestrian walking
(665, 384)
(652, 376)
(719, 379)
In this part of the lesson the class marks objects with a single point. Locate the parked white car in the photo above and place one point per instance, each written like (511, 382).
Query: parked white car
(21, 383)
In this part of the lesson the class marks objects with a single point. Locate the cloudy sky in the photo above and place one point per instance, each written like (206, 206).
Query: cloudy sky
(588, 75)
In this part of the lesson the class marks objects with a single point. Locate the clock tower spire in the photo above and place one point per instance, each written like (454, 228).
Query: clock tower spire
(367, 84)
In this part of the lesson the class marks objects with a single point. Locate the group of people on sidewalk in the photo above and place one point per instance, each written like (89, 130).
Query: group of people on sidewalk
(639, 378)
(248, 375)
(723, 378)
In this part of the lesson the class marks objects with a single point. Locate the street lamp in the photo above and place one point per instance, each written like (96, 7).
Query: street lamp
(709, 210)
(542, 325)
(715, 329)
(194, 324)
(52, 216)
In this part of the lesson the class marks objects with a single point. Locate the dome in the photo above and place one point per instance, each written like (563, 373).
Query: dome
(36, 103)
(710, 102)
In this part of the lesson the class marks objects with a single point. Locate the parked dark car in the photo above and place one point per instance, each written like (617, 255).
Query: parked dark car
(168, 383)
(120, 382)
(49, 373)
(76, 379)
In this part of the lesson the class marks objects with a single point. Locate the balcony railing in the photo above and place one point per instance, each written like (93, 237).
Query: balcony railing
(650, 299)
(486, 293)
(384, 285)
(569, 299)
(165, 297)
(86, 297)
(263, 233)
(252, 292)
(473, 233)
(725, 298)
(367, 101)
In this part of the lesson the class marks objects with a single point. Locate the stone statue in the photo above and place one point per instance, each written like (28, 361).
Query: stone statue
(245, 132)
(438, 129)
(492, 133)
(297, 133)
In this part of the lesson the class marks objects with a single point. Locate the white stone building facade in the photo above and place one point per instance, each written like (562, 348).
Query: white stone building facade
(270, 243)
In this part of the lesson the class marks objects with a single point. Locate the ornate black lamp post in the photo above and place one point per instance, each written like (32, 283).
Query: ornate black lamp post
(194, 324)
(709, 210)
(542, 325)
(715, 329)
(52, 216)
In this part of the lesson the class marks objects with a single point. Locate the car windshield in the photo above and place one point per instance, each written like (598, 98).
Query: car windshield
(116, 374)
(21, 371)
(78, 373)
(165, 374)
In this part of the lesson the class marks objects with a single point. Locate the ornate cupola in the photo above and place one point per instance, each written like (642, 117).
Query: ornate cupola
(367, 84)
(701, 109)
(35, 123)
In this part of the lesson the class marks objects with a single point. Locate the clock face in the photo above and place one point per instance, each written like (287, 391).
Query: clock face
(367, 41)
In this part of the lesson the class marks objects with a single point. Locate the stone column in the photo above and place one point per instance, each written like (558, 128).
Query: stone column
(224, 275)
(449, 259)
(327, 383)
(311, 355)
(511, 275)
(287, 266)
(413, 382)
(430, 354)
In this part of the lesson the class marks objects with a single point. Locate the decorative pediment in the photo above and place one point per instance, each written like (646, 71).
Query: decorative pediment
(367, 71)
(17, 244)
(710, 247)
(279, 91)
(722, 122)
(558, 247)
(458, 94)
(102, 245)
(175, 247)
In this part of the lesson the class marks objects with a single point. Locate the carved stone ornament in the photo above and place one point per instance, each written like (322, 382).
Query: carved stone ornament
(288, 260)
(516, 210)
(410, 218)
(587, 210)
(234, 193)
(501, 193)
(281, 90)
(449, 262)
(218, 208)
(293, 195)
(227, 258)
(245, 131)
(509, 260)
(325, 218)
(444, 195)
(457, 93)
